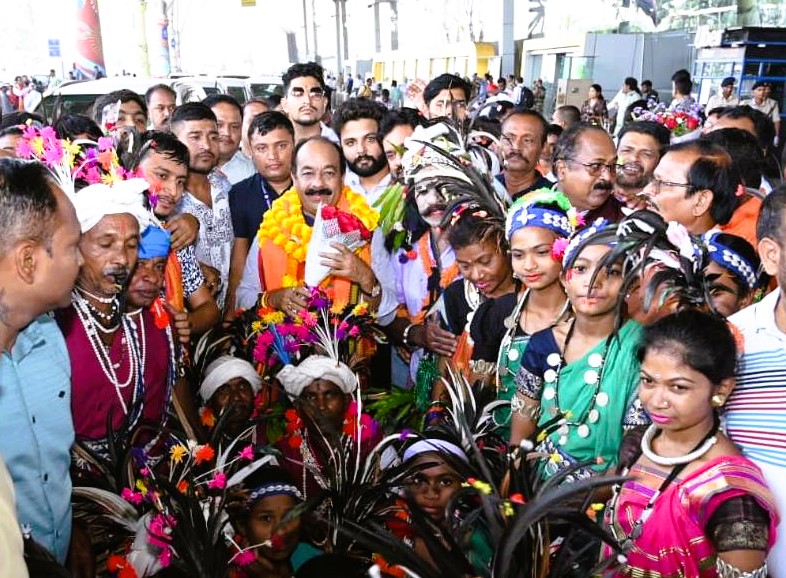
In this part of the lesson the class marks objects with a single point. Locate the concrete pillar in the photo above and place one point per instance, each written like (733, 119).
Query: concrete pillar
(508, 44)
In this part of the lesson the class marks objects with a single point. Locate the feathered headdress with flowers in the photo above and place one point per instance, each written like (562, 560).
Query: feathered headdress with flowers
(110, 188)
(438, 156)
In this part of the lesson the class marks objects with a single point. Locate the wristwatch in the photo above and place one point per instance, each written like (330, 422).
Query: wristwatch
(376, 290)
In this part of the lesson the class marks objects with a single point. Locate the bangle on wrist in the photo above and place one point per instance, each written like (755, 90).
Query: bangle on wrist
(263, 300)
(405, 335)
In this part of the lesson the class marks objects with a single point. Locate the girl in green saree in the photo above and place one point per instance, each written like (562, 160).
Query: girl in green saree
(580, 376)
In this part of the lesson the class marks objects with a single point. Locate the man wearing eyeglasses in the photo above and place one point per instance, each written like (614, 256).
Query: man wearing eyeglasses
(695, 184)
(522, 140)
(305, 101)
(586, 169)
(318, 178)
(357, 122)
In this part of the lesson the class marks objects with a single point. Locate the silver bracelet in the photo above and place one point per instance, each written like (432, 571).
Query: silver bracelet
(405, 335)
(726, 570)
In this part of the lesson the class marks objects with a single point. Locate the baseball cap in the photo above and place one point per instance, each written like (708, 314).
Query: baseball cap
(728, 81)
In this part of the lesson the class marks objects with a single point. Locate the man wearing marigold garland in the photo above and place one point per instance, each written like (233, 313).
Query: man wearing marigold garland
(274, 274)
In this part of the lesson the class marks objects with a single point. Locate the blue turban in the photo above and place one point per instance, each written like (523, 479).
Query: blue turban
(155, 243)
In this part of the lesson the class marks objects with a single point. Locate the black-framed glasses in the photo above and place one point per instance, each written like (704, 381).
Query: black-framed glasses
(298, 92)
(595, 169)
(658, 183)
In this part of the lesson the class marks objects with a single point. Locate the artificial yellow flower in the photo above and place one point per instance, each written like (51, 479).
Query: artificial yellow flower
(273, 318)
(178, 452)
(256, 326)
(140, 485)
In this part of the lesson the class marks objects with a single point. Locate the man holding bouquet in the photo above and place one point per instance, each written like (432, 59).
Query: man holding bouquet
(317, 233)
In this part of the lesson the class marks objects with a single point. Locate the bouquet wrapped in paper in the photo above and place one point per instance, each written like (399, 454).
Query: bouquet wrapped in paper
(332, 225)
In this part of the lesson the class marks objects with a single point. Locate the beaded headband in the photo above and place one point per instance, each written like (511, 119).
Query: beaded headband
(581, 236)
(726, 257)
(529, 216)
(545, 208)
(274, 490)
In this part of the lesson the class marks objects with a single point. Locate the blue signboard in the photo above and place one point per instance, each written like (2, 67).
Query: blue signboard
(54, 48)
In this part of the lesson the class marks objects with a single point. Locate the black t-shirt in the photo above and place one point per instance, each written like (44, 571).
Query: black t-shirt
(488, 326)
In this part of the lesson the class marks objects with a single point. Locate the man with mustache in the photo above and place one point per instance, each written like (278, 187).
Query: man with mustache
(585, 162)
(521, 142)
(119, 363)
(207, 189)
(229, 114)
(357, 122)
(160, 100)
(274, 277)
(164, 160)
(639, 149)
(305, 100)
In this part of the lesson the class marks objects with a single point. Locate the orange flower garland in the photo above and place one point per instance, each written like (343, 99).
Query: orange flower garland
(286, 227)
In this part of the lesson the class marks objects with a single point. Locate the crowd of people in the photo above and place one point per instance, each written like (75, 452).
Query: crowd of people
(442, 339)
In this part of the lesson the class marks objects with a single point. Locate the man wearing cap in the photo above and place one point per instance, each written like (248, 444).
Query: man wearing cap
(321, 388)
(229, 386)
(39, 261)
(119, 361)
(726, 97)
(763, 104)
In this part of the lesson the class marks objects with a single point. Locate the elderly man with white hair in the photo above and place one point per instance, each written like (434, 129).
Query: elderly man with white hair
(321, 388)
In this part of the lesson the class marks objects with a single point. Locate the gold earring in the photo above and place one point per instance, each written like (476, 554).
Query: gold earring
(718, 400)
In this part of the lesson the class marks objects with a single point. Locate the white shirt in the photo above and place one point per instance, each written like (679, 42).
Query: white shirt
(251, 286)
(214, 243)
(238, 168)
(12, 561)
(756, 408)
(768, 107)
(621, 102)
(717, 101)
(412, 289)
(329, 133)
(352, 180)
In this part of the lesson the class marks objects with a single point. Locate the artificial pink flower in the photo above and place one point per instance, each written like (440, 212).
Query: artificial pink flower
(218, 482)
(105, 143)
(131, 496)
(244, 558)
(247, 453)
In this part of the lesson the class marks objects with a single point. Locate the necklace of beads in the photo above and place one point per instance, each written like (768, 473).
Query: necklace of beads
(679, 463)
(136, 350)
(592, 377)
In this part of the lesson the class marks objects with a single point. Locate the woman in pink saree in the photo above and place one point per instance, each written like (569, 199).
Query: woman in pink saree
(694, 506)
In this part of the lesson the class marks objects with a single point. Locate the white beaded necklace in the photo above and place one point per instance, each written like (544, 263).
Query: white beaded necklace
(136, 358)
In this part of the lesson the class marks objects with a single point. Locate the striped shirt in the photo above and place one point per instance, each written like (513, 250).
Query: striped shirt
(756, 409)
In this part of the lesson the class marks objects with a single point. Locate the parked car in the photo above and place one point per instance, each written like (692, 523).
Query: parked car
(79, 96)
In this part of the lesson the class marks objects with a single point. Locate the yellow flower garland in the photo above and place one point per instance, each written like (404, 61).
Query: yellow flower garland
(286, 227)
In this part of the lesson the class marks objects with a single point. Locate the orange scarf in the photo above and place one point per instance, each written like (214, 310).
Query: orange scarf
(279, 268)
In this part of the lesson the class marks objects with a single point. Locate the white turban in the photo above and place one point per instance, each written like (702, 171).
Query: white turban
(296, 378)
(222, 370)
(96, 201)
